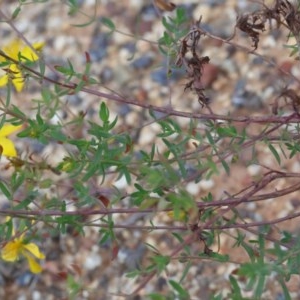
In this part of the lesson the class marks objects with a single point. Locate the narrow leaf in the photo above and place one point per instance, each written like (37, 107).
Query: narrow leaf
(275, 153)
(179, 289)
(5, 190)
(108, 23)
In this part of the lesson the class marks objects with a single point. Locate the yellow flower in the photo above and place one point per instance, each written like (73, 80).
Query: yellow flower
(178, 215)
(18, 247)
(8, 147)
(21, 53)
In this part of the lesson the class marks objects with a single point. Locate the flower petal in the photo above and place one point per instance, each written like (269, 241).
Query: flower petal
(38, 46)
(34, 266)
(7, 147)
(18, 83)
(11, 251)
(13, 48)
(3, 80)
(31, 55)
(8, 129)
(20, 52)
(17, 77)
(34, 250)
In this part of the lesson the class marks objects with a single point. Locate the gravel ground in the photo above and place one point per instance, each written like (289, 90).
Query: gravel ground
(237, 83)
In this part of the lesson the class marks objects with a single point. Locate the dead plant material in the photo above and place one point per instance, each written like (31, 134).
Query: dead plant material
(165, 5)
(251, 24)
(291, 15)
(287, 94)
(283, 12)
(193, 64)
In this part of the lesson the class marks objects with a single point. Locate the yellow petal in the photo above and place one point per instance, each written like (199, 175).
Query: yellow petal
(7, 147)
(38, 46)
(17, 78)
(11, 250)
(13, 49)
(34, 250)
(8, 129)
(29, 54)
(34, 266)
(18, 83)
(180, 215)
(18, 51)
(3, 80)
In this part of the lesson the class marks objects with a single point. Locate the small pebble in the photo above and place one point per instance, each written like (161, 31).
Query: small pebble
(106, 74)
(254, 170)
(244, 98)
(25, 278)
(98, 48)
(36, 295)
(92, 261)
(143, 62)
(206, 184)
(160, 76)
(121, 183)
(148, 12)
(148, 134)
(193, 188)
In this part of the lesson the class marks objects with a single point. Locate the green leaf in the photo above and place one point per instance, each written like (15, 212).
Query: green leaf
(45, 184)
(28, 200)
(47, 95)
(73, 286)
(208, 198)
(180, 15)
(17, 180)
(219, 257)
(260, 286)
(225, 166)
(108, 23)
(42, 67)
(161, 262)
(113, 123)
(275, 153)
(287, 237)
(104, 112)
(236, 289)
(295, 49)
(167, 24)
(18, 112)
(209, 137)
(16, 12)
(57, 135)
(154, 296)
(5, 190)
(179, 289)
(39, 120)
(66, 70)
(166, 40)
(227, 131)
(106, 236)
(185, 271)
(178, 237)
(125, 172)
(133, 274)
(9, 229)
(284, 289)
